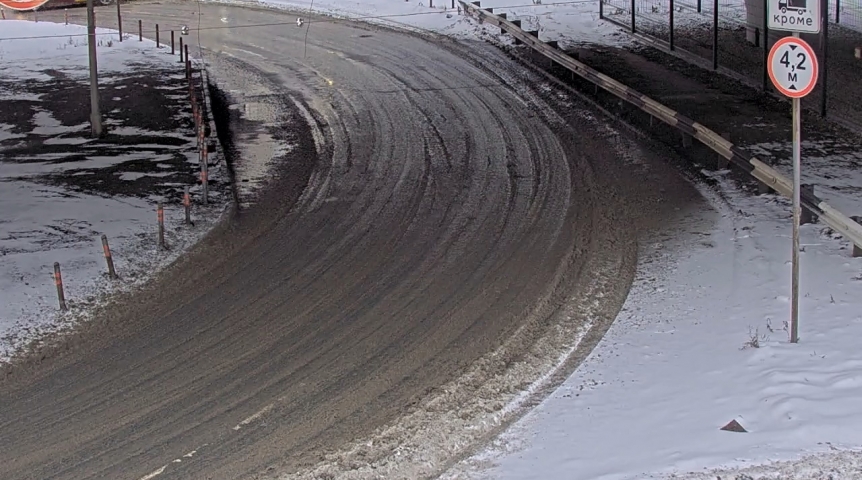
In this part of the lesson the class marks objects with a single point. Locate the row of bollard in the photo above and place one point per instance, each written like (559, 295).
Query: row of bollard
(106, 248)
(199, 117)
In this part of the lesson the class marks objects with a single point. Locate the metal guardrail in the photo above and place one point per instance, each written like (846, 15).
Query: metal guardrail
(736, 155)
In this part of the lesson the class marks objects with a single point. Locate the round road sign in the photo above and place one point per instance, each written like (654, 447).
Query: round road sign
(792, 67)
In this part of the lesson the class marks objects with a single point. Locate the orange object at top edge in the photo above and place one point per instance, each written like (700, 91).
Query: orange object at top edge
(23, 5)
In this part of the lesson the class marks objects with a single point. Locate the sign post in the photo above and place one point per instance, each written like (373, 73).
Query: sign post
(792, 66)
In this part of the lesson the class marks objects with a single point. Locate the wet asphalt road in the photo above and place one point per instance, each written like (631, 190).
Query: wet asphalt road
(440, 212)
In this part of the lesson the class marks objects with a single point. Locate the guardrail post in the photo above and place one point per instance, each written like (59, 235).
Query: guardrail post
(140, 30)
(634, 8)
(762, 188)
(686, 140)
(721, 162)
(181, 50)
(173, 45)
(158, 44)
(807, 215)
(601, 9)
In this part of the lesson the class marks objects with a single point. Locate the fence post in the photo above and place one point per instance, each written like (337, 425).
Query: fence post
(112, 274)
(715, 35)
(173, 50)
(58, 280)
(140, 30)
(158, 44)
(187, 204)
(205, 167)
(837, 12)
(671, 25)
(601, 9)
(699, 6)
(824, 55)
(66, 15)
(181, 50)
(119, 21)
(634, 6)
(160, 211)
(765, 41)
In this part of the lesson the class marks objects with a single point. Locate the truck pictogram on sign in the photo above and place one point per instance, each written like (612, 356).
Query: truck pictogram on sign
(794, 15)
(795, 5)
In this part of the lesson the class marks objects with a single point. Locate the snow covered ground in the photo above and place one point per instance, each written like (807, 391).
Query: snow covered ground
(60, 190)
(702, 338)
(570, 22)
(680, 361)
(701, 341)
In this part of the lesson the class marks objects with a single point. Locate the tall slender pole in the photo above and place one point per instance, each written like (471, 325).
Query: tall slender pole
(634, 9)
(95, 112)
(824, 55)
(119, 21)
(671, 24)
(765, 39)
(797, 213)
(715, 35)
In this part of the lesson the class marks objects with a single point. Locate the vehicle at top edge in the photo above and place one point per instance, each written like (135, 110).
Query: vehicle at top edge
(30, 5)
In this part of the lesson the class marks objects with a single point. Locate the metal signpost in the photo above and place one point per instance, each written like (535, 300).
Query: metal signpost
(792, 66)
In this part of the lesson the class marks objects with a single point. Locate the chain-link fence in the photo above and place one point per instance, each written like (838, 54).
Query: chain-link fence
(730, 34)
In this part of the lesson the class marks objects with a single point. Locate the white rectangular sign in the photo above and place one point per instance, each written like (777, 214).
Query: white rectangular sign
(794, 15)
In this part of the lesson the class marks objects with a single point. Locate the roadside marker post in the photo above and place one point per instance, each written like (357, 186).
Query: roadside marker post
(792, 65)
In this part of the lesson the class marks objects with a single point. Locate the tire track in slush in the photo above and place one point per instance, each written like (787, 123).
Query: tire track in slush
(445, 253)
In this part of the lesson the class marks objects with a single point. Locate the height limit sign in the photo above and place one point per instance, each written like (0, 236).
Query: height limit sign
(801, 16)
(793, 67)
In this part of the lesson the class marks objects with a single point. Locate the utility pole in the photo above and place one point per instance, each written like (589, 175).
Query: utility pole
(95, 111)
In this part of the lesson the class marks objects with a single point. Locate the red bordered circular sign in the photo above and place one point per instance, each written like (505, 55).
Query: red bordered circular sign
(792, 66)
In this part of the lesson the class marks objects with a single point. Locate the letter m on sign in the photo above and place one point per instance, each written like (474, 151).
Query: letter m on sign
(791, 77)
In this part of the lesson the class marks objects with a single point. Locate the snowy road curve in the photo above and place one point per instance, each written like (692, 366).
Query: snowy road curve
(442, 213)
